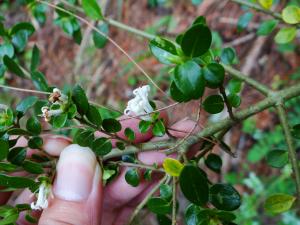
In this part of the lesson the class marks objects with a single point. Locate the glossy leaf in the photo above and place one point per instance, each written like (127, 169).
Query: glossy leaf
(93, 115)
(59, 121)
(25, 104)
(279, 203)
(177, 94)
(277, 158)
(80, 99)
(35, 58)
(225, 197)
(194, 185)
(144, 126)
(39, 81)
(172, 166)
(84, 138)
(213, 104)
(196, 40)
(159, 129)
(267, 27)
(214, 75)
(4, 147)
(165, 191)
(214, 162)
(132, 177)
(33, 125)
(17, 155)
(129, 133)
(13, 66)
(189, 79)
(228, 56)
(111, 125)
(285, 35)
(101, 146)
(159, 205)
(92, 9)
(16, 182)
(33, 167)
(234, 100)
(99, 40)
(291, 14)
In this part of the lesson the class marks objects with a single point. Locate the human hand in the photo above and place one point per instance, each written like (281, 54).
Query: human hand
(78, 193)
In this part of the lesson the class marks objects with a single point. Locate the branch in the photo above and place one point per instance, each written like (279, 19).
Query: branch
(242, 77)
(291, 148)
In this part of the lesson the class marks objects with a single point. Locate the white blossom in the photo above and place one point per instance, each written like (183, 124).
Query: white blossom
(140, 105)
(47, 113)
(58, 96)
(42, 197)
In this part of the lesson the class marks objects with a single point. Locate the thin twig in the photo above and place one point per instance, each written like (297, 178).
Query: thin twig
(24, 90)
(142, 166)
(229, 107)
(145, 200)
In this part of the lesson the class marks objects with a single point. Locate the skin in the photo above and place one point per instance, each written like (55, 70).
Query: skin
(109, 205)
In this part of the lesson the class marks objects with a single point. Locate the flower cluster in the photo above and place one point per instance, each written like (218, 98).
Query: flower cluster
(140, 104)
(58, 99)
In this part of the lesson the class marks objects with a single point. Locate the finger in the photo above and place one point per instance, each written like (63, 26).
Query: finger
(54, 144)
(77, 189)
(180, 129)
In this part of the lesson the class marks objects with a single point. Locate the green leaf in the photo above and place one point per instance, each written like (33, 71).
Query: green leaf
(285, 35)
(4, 147)
(132, 177)
(244, 20)
(16, 182)
(234, 86)
(39, 81)
(189, 79)
(291, 14)
(25, 26)
(164, 51)
(228, 55)
(129, 133)
(7, 167)
(225, 197)
(35, 58)
(172, 167)
(99, 40)
(176, 94)
(214, 162)
(279, 203)
(296, 131)
(266, 4)
(197, 2)
(59, 121)
(84, 138)
(35, 142)
(32, 167)
(234, 100)
(144, 126)
(163, 220)
(33, 125)
(80, 99)
(159, 129)
(213, 104)
(18, 131)
(6, 49)
(266, 27)
(17, 155)
(26, 104)
(196, 40)
(165, 191)
(93, 115)
(159, 206)
(194, 185)
(277, 158)
(92, 9)
(194, 215)
(102, 146)
(13, 66)
(111, 125)
(200, 20)
(214, 75)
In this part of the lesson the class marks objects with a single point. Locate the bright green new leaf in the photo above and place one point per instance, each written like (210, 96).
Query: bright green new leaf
(172, 167)
(279, 203)
(159, 129)
(285, 35)
(291, 14)
(144, 126)
(92, 9)
(266, 3)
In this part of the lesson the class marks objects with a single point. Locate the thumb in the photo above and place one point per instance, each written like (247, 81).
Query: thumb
(77, 189)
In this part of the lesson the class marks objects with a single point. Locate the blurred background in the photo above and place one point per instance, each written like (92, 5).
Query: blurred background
(109, 78)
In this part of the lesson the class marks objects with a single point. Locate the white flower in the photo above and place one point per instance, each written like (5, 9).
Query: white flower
(58, 96)
(140, 105)
(47, 113)
(42, 198)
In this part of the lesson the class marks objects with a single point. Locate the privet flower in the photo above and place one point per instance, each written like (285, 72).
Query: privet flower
(42, 198)
(56, 98)
(140, 105)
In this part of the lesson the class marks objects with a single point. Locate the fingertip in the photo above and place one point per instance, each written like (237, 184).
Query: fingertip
(55, 144)
(181, 128)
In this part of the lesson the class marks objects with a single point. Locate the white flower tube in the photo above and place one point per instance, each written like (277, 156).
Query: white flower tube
(140, 105)
(47, 113)
(42, 198)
